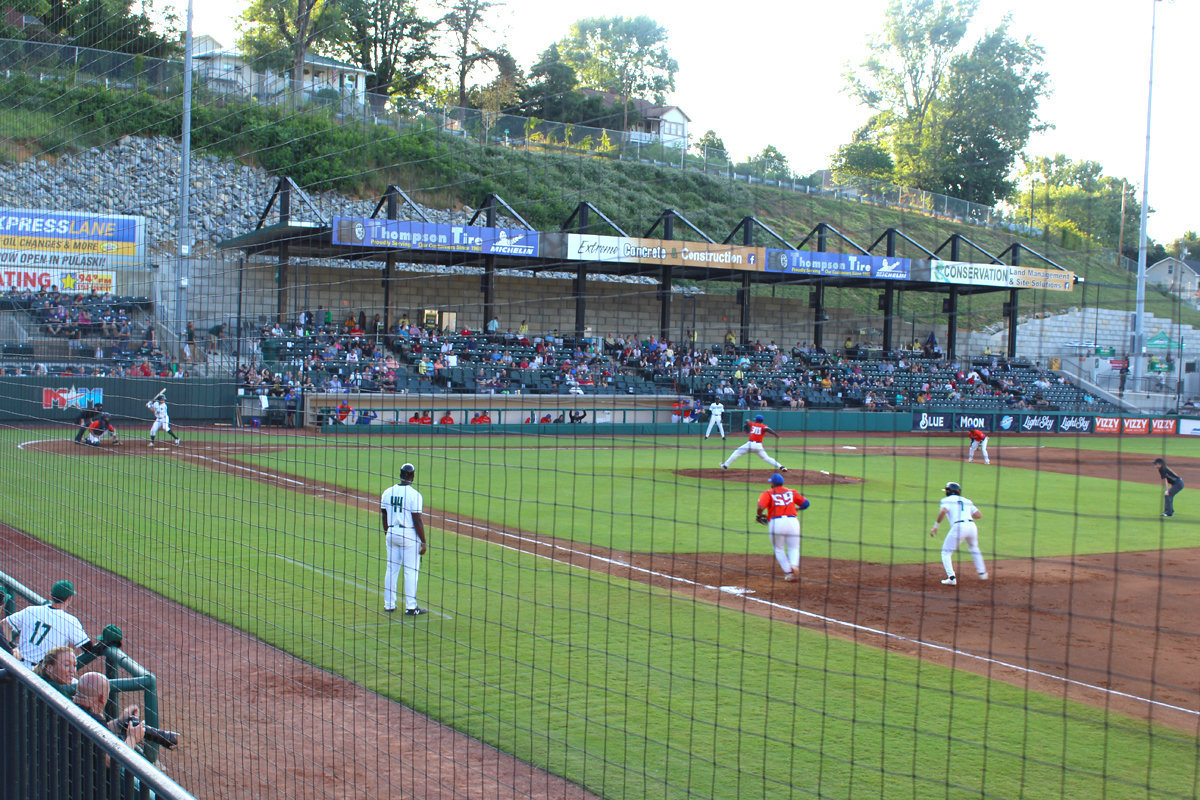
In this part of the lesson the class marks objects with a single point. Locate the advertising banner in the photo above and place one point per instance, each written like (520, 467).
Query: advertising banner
(1074, 424)
(69, 241)
(1006, 423)
(1164, 425)
(71, 398)
(932, 421)
(430, 236)
(1135, 425)
(840, 265)
(1189, 427)
(68, 281)
(666, 252)
(1037, 423)
(965, 421)
(1108, 424)
(965, 273)
(1055, 280)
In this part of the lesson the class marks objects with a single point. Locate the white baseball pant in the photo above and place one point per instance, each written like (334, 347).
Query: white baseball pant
(752, 447)
(160, 424)
(403, 552)
(716, 420)
(785, 541)
(978, 446)
(959, 533)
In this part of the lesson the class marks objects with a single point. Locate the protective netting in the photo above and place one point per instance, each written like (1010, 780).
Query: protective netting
(597, 611)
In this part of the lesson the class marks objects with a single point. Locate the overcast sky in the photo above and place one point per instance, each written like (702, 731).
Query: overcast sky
(771, 73)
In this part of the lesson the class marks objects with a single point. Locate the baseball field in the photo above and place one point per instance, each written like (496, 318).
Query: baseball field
(608, 620)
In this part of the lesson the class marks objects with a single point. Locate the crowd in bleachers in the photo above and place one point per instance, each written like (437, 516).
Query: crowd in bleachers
(317, 353)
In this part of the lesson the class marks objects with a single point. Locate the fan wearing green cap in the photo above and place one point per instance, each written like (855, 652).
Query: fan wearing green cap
(42, 628)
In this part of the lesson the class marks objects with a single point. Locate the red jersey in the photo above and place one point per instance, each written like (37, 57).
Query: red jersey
(757, 429)
(977, 435)
(779, 501)
(446, 420)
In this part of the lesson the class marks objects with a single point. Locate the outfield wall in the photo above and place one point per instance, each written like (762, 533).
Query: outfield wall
(58, 399)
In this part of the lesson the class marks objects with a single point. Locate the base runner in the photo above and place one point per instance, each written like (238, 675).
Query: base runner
(777, 510)
(962, 514)
(755, 431)
(162, 419)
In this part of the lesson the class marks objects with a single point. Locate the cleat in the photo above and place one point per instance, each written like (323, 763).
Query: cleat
(783, 469)
(724, 467)
(791, 576)
(178, 442)
(951, 581)
(983, 576)
(390, 610)
(415, 612)
(150, 445)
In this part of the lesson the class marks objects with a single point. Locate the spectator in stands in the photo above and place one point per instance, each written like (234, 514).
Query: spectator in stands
(57, 667)
(91, 695)
(216, 335)
(189, 342)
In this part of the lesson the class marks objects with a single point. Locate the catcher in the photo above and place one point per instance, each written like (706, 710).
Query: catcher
(100, 426)
(84, 420)
(777, 510)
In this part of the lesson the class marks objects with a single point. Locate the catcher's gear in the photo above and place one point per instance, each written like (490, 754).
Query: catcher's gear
(407, 472)
(953, 488)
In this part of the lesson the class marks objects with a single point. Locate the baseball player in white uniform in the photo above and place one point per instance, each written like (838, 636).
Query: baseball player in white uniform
(962, 514)
(716, 411)
(404, 530)
(42, 628)
(162, 419)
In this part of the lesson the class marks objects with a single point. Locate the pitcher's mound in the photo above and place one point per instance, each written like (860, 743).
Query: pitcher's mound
(795, 477)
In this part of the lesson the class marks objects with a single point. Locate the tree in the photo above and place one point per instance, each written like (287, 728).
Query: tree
(954, 120)
(278, 34)
(391, 40)
(624, 55)
(465, 21)
(1189, 241)
(552, 94)
(863, 159)
(770, 164)
(114, 25)
(710, 142)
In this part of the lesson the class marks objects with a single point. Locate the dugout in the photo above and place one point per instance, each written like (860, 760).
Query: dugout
(741, 257)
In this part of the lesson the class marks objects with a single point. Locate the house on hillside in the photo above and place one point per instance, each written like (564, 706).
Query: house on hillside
(226, 71)
(27, 25)
(1179, 276)
(660, 124)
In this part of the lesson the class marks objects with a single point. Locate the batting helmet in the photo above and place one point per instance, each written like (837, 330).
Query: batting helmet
(953, 488)
(759, 418)
(408, 472)
(99, 406)
(776, 480)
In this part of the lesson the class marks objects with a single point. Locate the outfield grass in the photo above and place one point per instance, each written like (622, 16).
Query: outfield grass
(630, 499)
(626, 689)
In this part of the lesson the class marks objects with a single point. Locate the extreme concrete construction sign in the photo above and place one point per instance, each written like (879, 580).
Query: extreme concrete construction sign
(634, 250)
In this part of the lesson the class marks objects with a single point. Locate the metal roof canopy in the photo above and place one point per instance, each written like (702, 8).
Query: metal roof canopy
(290, 238)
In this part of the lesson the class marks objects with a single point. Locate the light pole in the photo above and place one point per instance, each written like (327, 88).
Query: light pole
(185, 180)
(1139, 314)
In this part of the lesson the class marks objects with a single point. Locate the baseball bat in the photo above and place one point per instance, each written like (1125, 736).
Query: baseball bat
(161, 392)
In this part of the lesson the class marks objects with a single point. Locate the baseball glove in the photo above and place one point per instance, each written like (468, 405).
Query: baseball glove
(760, 519)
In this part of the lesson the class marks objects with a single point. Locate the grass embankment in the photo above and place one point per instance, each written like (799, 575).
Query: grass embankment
(322, 153)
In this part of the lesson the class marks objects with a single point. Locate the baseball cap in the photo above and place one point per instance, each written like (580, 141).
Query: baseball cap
(776, 479)
(63, 590)
(1159, 461)
(758, 418)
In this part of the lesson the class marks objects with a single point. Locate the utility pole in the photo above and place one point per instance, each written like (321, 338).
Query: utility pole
(1139, 321)
(184, 234)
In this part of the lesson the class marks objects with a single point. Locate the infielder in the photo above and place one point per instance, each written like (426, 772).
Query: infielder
(162, 419)
(962, 514)
(777, 510)
(42, 628)
(84, 420)
(1172, 485)
(716, 410)
(755, 431)
(979, 441)
(404, 532)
